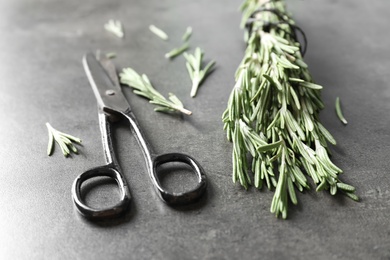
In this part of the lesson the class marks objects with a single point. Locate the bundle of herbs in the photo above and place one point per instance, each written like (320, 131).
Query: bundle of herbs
(273, 112)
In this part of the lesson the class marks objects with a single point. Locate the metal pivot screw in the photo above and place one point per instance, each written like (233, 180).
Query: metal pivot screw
(110, 92)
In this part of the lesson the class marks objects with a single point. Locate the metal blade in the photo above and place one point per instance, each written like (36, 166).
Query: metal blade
(108, 93)
(110, 69)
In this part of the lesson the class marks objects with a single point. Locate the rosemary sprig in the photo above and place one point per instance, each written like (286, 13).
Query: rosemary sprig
(157, 31)
(115, 27)
(187, 34)
(177, 51)
(144, 88)
(339, 112)
(64, 141)
(197, 74)
(273, 113)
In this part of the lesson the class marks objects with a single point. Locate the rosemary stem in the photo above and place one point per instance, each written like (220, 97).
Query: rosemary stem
(183, 110)
(195, 86)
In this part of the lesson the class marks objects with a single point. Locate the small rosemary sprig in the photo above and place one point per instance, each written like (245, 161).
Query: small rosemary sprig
(339, 112)
(115, 27)
(144, 88)
(273, 113)
(64, 141)
(194, 67)
(157, 31)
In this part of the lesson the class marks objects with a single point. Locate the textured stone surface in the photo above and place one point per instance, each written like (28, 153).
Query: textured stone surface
(42, 79)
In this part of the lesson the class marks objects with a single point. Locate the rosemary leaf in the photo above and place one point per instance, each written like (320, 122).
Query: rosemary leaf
(174, 99)
(339, 112)
(326, 133)
(345, 187)
(270, 146)
(310, 85)
(352, 196)
(50, 145)
(70, 137)
(157, 31)
(111, 55)
(187, 34)
(177, 51)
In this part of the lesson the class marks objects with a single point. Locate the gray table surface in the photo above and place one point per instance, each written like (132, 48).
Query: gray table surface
(42, 80)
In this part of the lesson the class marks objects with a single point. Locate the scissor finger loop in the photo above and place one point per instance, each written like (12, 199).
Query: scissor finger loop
(183, 197)
(101, 171)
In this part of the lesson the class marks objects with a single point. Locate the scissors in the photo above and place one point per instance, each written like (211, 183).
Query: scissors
(113, 107)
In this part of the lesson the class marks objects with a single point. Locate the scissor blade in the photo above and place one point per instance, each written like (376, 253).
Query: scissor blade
(108, 94)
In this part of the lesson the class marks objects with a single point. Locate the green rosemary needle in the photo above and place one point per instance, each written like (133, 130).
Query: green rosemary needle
(157, 31)
(177, 51)
(144, 88)
(339, 112)
(64, 141)
(197, 74)
(115, 27)
(187, 34)
(272, 115)
(111, 55)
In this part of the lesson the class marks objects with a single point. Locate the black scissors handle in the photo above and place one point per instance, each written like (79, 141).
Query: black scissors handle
(184, 197)
(154, 161)
(101, 171)
(111, 169)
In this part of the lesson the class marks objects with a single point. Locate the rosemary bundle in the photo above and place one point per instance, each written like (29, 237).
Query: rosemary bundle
(273, 112)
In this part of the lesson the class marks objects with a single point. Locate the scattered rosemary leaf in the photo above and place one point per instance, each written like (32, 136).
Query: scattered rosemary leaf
(111, 55)
(177, 51)
(187, 34)
(352, 196)
(157, 31)
(339, 112)
(144, 88)
(115, 27)
(64, 141)
(197, 74)
(310, 85)
(345, 187)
